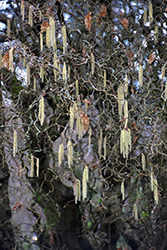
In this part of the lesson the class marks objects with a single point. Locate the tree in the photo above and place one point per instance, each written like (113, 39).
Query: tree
(88, 125)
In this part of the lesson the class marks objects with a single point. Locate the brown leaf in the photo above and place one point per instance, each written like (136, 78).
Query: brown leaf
(88, 21)
(17, 206)
(44, 26)
(130, 54)
(125, 23)
(103, 12)
(151, 58)
(5, 61)
(135, 138)
(85, 120)
(84, 51)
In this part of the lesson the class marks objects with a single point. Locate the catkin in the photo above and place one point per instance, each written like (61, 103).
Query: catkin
(11, 65)
(141, 76)
(104, 78)
(120, 99)
(150, 12)
(126, 85)
(42, 73)
(28, 74)
(41, 41)
(60, 154)
(37, 164)
(100, 143)
(64, 38)
(64, 73)
(8, 27)
(52, 32)
(14, 143)
(145, 17)
(126, 113)
(32, 166)
(30, 20)
(152, 183)
(123, 190)
(35, 84)
(22, 10)
(77, 88)
(125, 142)
(155, 190)
(143, 160)
(92, 63)
(90, 134)
(71, 117)
(48, 37)
(70, 153)
(41, 111)
(85, 179)
(80, 128)
(156, 33)
(77, 191)
(135, 212)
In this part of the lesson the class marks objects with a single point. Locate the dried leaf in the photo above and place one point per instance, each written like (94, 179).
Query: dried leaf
(44, 26)
(84, 51)
(88, 21)
(135, 138)
(125, 23)
(17, 206)
(151, 58)
(103, 12)
(129, 54)
(5, 61)
(85, 120)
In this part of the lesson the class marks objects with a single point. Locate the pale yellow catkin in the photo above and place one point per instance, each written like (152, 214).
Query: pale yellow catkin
(41, 114)
(143, 160)
(48, 37)
(152, 183)
(14, 143)
(11, 65)
(85, 179)
(30, 16)
(22, 10)
(77, 88)
(42, 73)
(120, 99)
(71, 117)
(90, 135)
(64, 73)
(123, 190)
(104, 78)
(166, 90)
(52, 32)
(80, 128)
(156, 198)
(156, 33)
(163, 72)
(126, 113)
(125, 142)
(8, 27)
(28, 74)
(141, 76)
(150, 12)
(77, 191)
(100, 143)
(145, 17)
(126, 85)
(32, 166)
(70, 153)
(64, 35)
(35, 84)
(92, 63)
(135, 212)
(41, 41)
(37, 165)
(60, 154)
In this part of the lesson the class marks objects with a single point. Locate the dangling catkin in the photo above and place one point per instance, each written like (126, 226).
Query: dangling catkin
(37, 164)
(8, 27)
(42, 73)
(143, 160)
(52, 32)
(14, 143)
(152, 183)
(80, 128)
(156, 33)
(104, 78)
(126, 113)
(90, 134)
(125, 142)
(92, 63)
(32, 166)
(41, 41)
(77, 88)
(64, 35)
(35, 84)
(135, 212)
(11, 65)
(22, 10)
(70, 153)
(145, 17)
(150, 12)
(41, 114)
(48, 37)
(141, 76)
(120, 99)
(64, 73)
(60, 153)
(126, 85)
(155, 190)
(30, 20)
(77, 190)
(85, 179)
(28, 74)
(122, 190)
(71, 117)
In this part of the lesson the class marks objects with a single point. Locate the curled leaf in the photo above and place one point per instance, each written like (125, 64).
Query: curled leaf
(5, 61)
(151, 58)
(44, 26)
(103, 12)
(125, 23)
(88, 21)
